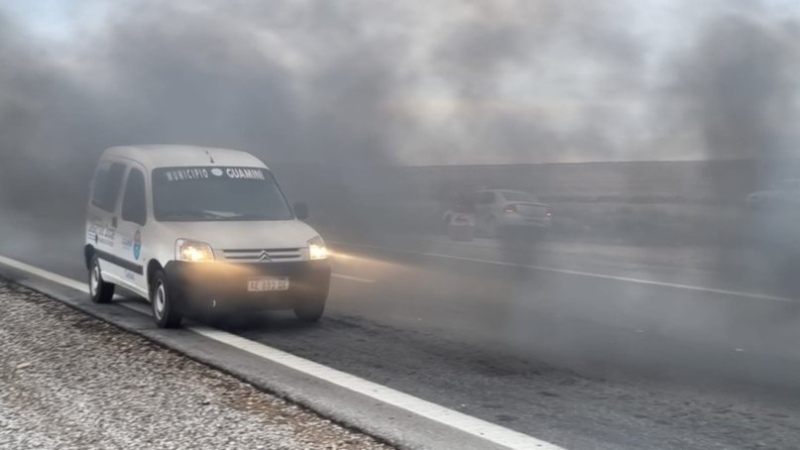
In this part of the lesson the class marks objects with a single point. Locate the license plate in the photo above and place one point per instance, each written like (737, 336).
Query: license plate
(268, 284)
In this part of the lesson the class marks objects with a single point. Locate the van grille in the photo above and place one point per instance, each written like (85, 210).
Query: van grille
(265, 255)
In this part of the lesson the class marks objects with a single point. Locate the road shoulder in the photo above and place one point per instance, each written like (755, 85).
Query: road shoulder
(72, 381)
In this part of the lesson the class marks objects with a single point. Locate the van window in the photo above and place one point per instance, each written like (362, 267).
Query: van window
(106, 187)
(134, 206)
(217, 194)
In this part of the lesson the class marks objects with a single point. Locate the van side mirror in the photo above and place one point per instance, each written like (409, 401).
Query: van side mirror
(301, 210)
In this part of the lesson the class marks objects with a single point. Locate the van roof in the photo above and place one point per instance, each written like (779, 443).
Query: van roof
(155, 156)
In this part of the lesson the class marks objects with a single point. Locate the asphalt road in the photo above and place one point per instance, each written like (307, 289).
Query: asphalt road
(583, 362)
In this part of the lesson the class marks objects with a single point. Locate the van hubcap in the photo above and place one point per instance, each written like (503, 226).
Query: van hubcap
(160, 300)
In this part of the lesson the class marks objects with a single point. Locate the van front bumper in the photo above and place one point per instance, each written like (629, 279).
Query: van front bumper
(218, 286)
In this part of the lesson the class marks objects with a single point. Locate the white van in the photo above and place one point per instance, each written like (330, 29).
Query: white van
(197, 229)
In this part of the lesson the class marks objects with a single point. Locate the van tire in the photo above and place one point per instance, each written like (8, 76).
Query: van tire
(309, 310)
(165, 313)
(99, 290)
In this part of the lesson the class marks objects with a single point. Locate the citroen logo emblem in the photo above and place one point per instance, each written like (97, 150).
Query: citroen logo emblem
(264, 256)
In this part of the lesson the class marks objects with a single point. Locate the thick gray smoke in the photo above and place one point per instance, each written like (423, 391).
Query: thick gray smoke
(735, 88)
(357, 83)
(344, 84)
(25, 84)
(158, 74)
(354, 87)
(291, 83)
(517, 69)
(738, 84)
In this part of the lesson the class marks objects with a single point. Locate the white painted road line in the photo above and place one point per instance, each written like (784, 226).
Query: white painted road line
(50, 276)
(454, 419)
(352, 278)
(467, 424)
(751, 295)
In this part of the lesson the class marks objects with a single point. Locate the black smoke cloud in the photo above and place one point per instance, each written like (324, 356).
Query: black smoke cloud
(738, 84)
(311, 81)
(157, 73)
(317, 81)
(206, 76)
(553, 44)
(735, 88)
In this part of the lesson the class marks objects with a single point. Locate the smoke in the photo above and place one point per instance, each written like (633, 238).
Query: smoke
(289, 83)
(524, 75)
(21, 101)
(307, 80)
(737, 84)
(345, 85)
(355, 86)
(357, 83)
(246, 79)
(734, 89)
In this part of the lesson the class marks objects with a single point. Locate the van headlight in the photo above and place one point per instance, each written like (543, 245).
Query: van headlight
(317, 249)
(193, 251)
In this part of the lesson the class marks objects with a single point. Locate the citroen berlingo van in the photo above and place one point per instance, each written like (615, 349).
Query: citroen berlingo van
(196, 229)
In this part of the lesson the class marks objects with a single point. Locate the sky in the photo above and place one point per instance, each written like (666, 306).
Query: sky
(483, 82)
(55, 19)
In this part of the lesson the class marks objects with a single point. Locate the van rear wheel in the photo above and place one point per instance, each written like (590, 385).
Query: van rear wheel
(163, 302)
(99, 290)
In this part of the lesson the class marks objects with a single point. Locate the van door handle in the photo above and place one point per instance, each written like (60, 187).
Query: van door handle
(114, 222)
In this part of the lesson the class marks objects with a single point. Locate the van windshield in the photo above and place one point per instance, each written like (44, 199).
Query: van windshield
(192, 194)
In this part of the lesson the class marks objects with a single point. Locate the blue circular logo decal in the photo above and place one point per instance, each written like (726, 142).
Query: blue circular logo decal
(137, 245)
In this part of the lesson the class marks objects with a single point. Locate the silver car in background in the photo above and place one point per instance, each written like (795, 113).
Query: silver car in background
(498, 212)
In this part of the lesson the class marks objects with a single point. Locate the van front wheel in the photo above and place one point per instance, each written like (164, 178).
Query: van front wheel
(99, 290)
(165, 312)
(309, 310)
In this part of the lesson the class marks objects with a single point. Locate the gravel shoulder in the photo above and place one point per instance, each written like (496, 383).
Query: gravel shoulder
(69, 381)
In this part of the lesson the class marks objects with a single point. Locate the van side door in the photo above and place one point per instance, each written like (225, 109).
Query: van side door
(101, 226)
(133, 218)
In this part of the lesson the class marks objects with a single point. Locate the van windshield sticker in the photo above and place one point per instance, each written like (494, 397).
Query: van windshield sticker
(186, 174)
(203, 173)
(205, 193)
(247, 174)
